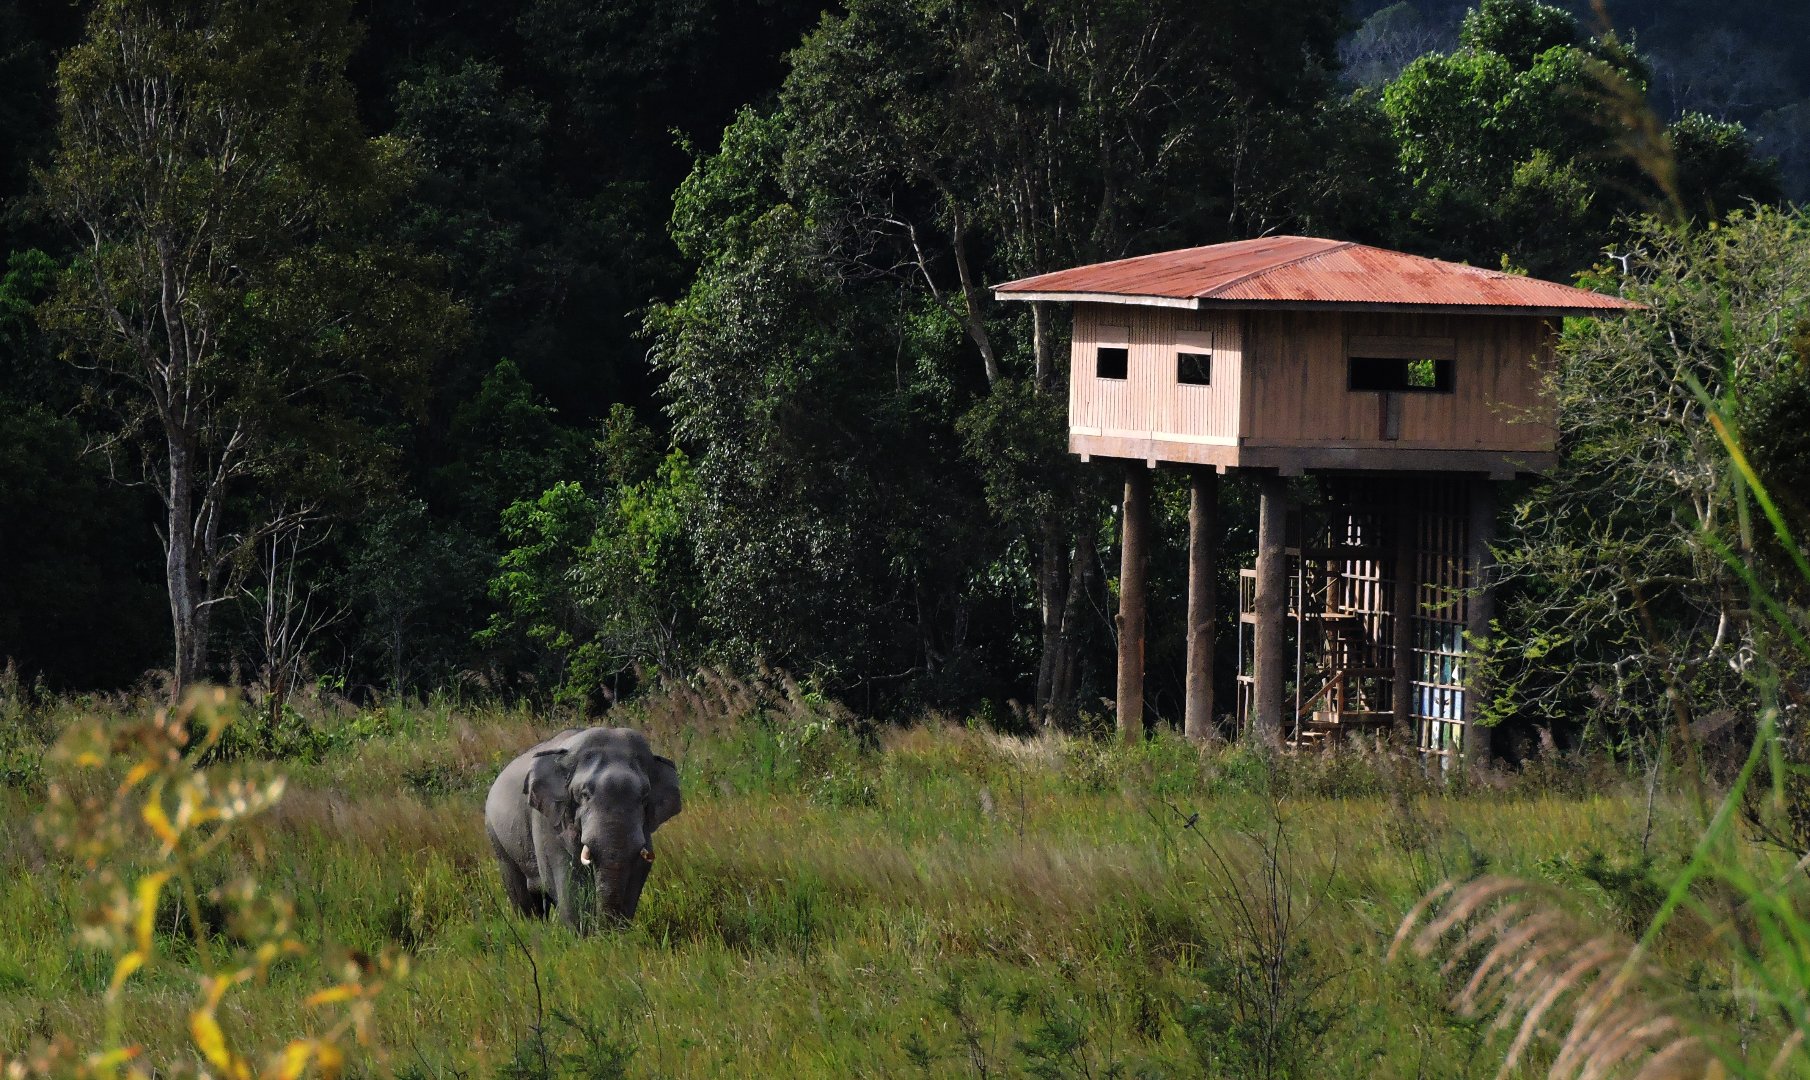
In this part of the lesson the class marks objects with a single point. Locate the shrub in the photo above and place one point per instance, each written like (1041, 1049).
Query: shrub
(132, 805)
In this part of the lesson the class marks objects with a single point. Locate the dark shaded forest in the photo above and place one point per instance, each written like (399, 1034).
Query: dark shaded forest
(544, 347)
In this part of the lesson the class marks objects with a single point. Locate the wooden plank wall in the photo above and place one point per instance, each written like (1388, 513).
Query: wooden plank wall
(1150, 403)
(1296, 392)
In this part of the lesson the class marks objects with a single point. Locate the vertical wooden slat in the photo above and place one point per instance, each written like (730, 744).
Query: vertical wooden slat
(1228, 342)
(1405, 592)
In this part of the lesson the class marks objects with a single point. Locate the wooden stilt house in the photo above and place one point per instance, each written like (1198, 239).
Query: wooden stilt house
(1406, 385)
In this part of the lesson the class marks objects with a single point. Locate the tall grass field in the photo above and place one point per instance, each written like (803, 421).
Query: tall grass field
(838, 900)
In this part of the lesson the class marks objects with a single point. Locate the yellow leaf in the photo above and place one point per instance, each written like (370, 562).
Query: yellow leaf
(135, 774)
(123, 970)
(211, 1041)
(159, 821)
(332, 1061)
(343, 992)
(294, 1059)
(114, 1058)
(149, 888)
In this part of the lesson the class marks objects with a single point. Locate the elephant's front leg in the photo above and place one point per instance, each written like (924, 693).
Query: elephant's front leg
(560, 877)
(568, 883)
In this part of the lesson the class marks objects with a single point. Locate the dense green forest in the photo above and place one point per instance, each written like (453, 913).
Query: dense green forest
(386, 386)
(537, 348)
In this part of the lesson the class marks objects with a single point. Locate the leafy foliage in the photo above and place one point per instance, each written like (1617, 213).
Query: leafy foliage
(1622, 611)
(137, 810)
(1518, 143)
(603, 586)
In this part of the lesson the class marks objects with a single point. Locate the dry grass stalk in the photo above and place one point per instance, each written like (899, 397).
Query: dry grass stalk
(1530, 960)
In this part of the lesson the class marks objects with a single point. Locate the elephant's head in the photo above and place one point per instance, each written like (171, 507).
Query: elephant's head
(605, 792)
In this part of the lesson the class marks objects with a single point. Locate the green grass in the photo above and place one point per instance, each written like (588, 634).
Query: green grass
(831, 905)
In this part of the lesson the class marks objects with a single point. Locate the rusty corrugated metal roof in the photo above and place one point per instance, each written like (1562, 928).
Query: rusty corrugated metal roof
(1305, 270)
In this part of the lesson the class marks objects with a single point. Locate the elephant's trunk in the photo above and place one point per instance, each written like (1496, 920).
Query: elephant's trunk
(619, 856)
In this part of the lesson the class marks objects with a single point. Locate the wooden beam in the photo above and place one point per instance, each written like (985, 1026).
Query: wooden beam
(1480, 608)
(1380, 307)
(1403, 602)
(1143, 448)
(1203, 538)
(1296, 459)
(1100, 298)
(1269, 662)
(1134, 564)
(1382, 456)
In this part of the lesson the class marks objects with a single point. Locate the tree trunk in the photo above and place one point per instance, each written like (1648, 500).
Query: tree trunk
(187, 611)
(972, 299)
(396, 656)
(1057, 583)
(1042, 347)
(1050, 594)
(1081, 577)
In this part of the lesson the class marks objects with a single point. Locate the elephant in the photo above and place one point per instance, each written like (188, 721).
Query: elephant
(572, 822)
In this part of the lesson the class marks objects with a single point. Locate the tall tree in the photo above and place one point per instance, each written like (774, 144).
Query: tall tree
(950, 146)
(919, 153)
(1527, 143)
(232, 299)
(1622, 609)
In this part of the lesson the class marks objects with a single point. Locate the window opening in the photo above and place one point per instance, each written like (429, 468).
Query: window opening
(1111, 363)
(1391, 375)
(1194, 368)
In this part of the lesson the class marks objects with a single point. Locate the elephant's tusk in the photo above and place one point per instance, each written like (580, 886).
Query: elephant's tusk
(647, 854)
(584, 855)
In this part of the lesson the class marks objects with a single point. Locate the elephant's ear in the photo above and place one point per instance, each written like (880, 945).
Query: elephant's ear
(663, 796)
(549, 783)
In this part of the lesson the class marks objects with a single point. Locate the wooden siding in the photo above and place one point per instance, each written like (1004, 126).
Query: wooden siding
(1149, 405)
(1296, 394)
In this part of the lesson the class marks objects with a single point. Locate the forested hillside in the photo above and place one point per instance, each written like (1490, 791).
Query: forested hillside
(1742, 61)
(540, 347)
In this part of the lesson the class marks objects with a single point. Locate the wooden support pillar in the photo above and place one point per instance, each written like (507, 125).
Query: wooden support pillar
(1480, 608)
(1203, 535)
(1133, 566)
(1269, 663)
(1404, 602)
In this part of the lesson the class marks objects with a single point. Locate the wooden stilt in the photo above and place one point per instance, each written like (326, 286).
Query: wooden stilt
(1269, 663)
(1403, 602)
(1133, 565)
(1203, 538)
(1480, 608)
